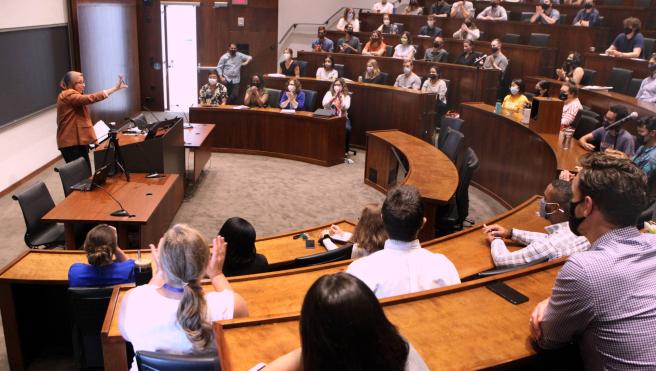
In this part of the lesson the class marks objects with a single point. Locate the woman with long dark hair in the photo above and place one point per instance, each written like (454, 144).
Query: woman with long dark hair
(241, 254)
(343, 327)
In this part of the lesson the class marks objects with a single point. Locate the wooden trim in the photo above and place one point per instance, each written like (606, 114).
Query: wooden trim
(29, 176)
(13, 262)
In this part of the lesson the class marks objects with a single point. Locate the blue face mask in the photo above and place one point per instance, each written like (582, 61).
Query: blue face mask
(542, 211)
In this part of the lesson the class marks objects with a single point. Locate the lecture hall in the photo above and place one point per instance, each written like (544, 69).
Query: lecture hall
(288, 185)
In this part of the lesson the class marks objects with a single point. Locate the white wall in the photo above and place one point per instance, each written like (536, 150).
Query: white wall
(29, 144)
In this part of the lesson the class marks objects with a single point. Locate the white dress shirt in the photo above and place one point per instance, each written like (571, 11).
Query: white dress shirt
(402, 268)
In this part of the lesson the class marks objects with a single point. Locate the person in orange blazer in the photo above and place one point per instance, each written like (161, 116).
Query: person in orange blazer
(74, 127)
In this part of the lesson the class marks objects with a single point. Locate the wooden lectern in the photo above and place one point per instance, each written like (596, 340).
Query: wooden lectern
(546, 114)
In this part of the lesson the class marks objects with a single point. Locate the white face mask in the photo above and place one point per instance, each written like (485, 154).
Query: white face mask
(386, 22)
(292, 88)
(514, 90)
(287, 56)
(349, 16)
(212, 81)
(407, 70)
(404, 40)
(337, 88)
(431, 23)
(370, 69)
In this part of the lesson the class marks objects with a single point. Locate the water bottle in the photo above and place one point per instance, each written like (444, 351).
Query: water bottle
(526, 117)
(497, 107)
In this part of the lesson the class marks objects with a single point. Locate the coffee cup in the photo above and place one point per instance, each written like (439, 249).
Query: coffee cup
(143, 271)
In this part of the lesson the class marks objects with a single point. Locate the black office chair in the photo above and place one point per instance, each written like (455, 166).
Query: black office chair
(452, 144)
(539, 39)
(341, 70)
(647, 215)
(563, 19)
(72, 173)
(453, 216)
(641, 3)
(511, 38)
(156, 361)
(88, 306)
(647, 47)
(601, 21)
(389, 50)
(35, 202)
(619, 79)
(310, 101)
(634, 86)
(526, 16)
(587, 111)
(274, 97)
(446, 123)
(400, 27)
(385, 77)
(588, 77)
(340, 253)
(529, 95)
(302, 66)
(585, 125)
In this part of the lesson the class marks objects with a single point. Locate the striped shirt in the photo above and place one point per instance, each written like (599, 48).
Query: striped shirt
(605, 298)
(559, 241)
(569, 113)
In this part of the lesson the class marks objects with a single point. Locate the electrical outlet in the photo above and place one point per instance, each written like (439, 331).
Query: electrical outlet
(240, 21)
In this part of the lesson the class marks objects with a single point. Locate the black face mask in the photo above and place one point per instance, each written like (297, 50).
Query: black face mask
(587, 6)
(627, 30)
(233, 52)
(652, 67)
(255, 83)
(494, 50)
(374, 39)
(562, 95)
(640, 141)
(321, 35)
(437, 45)
(575, 222)
(545, 7)
(433, 76)
(349, 32)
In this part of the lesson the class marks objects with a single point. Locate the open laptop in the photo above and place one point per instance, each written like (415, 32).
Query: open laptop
(99, 178)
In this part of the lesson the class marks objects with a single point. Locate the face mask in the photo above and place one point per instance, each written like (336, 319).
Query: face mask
(652, 67)
(407, 70)
(433, 76)
(545, 7)
(574, 222)
(321, 35)
(386, 22)
(287, 56)
(605, 123)
(370, 69)
(542, 211)
(494, 49)
(404, 40)
(233, 52)
(495, 5)
(349, 16)
(587, 6)
(468, 24)
(627, 31)
(374, 39)
(349, 31)
(562, 96)
(431, 24)
(212, 81)
(255, 83)
(327, 65)
(291, 88)
(337, 88)
(437, 44)
(514, 90)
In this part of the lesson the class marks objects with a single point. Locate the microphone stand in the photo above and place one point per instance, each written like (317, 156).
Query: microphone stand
(119, 212)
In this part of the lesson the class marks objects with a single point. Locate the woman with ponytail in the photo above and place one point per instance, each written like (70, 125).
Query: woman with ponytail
(171, 313)
(108, 265)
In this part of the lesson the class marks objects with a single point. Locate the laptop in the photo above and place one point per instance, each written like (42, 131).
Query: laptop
(99, 178)
(321, 112)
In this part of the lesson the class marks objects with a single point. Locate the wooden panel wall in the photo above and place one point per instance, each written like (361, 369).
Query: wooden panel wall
(150, 54)
(104, 47)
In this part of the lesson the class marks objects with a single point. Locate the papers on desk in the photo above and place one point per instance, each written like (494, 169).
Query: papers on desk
(597, 88)
(342, 237)
(241, 107)
(328, 244)
(102, 131)
(288, 111)
(276, 75)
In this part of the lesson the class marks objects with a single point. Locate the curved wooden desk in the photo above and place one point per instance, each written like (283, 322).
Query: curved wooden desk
(515, 161)
(429, 170)
(373, 107)
(461, 327)
(467, 83)
(604, 64)
(276, 293)
(266, 131)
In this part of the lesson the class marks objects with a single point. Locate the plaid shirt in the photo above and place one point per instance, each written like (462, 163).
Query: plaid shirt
(605, 299)
(557, 242)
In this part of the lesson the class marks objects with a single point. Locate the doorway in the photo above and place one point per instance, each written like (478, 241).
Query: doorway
(179, 56)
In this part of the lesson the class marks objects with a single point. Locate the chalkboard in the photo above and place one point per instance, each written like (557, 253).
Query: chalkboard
(32, 62)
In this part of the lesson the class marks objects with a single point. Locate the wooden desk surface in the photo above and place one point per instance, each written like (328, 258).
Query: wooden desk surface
(429, 169)
(282, 292)
(140, 196)
(461, 327)
(195, 136)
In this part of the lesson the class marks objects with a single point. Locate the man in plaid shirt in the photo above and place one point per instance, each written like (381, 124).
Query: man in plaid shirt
(557, 242)
(605, 298)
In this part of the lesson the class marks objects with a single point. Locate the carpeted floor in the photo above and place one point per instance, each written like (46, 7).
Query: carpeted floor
(275, 195)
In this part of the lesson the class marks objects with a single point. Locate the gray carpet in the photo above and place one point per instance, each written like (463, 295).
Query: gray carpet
(275, 195)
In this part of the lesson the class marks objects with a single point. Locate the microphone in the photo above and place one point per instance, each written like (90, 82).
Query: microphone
(618, 123)
(479, 59)
(119, 212)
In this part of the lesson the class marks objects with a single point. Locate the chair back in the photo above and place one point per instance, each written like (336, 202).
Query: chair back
(563, 19)
(585, 125)
(526, 16)
(274, 97)
(619, 79)
(445, 124)
(529, 95)
(72, 173)
(400, 27)
(452, 144)
(634, 86)
(389, 50)
(341, 70)
(647, 47)
(88, 306)
(310, 101)
(35, 202)
(466, 169)
(157, 361)
(539, 39)
(385, 77)
(340, 253)
(588, 76)
(511, 38)
(302, 66)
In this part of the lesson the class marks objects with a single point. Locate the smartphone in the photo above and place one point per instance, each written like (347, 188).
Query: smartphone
(507, 292)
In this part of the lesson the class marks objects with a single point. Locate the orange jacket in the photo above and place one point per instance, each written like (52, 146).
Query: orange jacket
(74, 126)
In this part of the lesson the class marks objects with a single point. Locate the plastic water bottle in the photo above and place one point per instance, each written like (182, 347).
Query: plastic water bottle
(526, 116)
(497, 107)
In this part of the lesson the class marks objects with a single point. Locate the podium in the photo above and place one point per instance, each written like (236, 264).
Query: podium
(164, 153)
(546, 114)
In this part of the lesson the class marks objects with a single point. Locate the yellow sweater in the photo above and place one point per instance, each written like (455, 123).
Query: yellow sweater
(515, 103)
